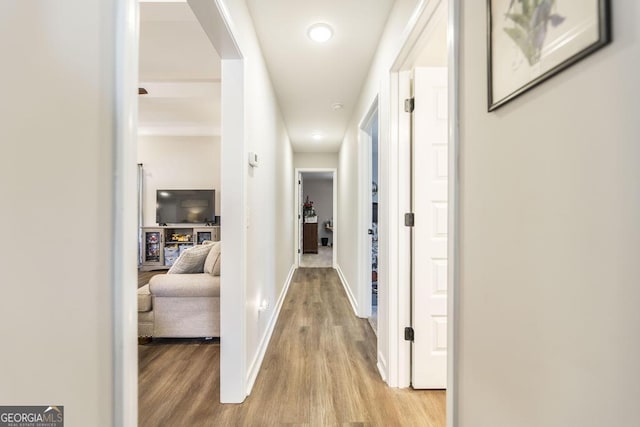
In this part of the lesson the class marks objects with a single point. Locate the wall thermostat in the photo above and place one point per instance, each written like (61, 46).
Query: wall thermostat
(253, 159)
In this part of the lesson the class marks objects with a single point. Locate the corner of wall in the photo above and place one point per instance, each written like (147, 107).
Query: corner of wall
(254, 367)
(347, 289)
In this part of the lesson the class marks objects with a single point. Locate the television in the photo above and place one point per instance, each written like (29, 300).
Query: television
(185, 206)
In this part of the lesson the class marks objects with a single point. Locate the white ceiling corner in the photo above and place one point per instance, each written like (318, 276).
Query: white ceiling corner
(308, 78)
(181, 71)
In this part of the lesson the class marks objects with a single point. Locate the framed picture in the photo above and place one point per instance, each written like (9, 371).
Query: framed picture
(531, 40)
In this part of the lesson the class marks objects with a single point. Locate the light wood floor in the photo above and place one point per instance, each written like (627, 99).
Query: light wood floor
(319, 370)
(324, 258)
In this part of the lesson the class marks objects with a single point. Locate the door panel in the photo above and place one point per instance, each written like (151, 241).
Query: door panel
(429, 196)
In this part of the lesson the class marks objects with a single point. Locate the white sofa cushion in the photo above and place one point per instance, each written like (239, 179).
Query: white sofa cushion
(144, 299)
(184, 286)
(213, 260)
(191, 260)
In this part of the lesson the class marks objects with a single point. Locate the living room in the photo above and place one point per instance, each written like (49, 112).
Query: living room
(179, 148)
(178, 131)
(179, 106)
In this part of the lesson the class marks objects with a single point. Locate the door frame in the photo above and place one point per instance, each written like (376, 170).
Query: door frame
(399, 360)
(365, 173)
(216, 23)
(125, 233)
(453, 331)
(297, 203)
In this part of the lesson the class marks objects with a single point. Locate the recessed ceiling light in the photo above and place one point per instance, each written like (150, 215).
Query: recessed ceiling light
(337, 105)
(320, 32)
(316, 136)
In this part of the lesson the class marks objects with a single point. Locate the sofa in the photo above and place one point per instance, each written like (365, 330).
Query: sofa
(185, 302)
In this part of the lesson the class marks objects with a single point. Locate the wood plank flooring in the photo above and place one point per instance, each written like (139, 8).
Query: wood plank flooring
(319, 370)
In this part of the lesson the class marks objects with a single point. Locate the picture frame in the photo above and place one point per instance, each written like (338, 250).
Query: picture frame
(529, 41)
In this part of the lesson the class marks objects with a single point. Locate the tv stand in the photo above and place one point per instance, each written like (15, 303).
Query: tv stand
(161, 245)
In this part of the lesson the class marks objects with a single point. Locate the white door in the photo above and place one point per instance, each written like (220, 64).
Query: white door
(429, 200)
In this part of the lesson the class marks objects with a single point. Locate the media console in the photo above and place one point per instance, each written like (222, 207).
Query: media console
(161, 245)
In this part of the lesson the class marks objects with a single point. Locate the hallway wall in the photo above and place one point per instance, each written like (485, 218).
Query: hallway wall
(57, 133)
(315, 160)
(550, 240)
(269, 191)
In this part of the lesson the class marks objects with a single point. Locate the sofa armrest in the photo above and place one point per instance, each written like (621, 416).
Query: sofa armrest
(185, 285)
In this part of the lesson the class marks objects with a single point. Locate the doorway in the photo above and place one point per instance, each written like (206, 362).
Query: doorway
(233, 384)
(426, 208)
(316, 204)
(370, 205)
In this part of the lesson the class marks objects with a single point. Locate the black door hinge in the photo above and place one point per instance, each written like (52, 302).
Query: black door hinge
(408, 333)
(409, 105)
(409, 219)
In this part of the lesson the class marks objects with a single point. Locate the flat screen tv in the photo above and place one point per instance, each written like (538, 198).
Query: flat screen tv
(185, 206)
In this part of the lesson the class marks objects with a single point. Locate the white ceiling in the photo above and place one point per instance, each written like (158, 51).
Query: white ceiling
(317, 176)
(310, 77)
(181, 70)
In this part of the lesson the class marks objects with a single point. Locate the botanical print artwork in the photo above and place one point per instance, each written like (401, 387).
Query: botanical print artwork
(530, 20)
(531, 40)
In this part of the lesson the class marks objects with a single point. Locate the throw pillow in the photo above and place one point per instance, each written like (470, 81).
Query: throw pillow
(191, 260)
(216, 266)
(212, 258)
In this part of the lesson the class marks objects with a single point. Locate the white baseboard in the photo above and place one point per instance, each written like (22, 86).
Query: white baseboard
(382, 362)
(382, 367)
(254, 369)
(347, 289)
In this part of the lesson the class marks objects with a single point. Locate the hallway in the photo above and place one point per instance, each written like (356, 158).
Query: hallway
(319, 370)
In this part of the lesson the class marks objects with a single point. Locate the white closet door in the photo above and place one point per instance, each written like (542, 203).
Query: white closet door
(429, 264)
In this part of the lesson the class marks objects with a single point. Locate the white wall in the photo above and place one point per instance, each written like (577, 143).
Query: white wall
(550, 239)
(320, 191)
(285, 221)
(57, 134)
(315, 160)
(178, 162)
(269, 190)
(377, 83)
